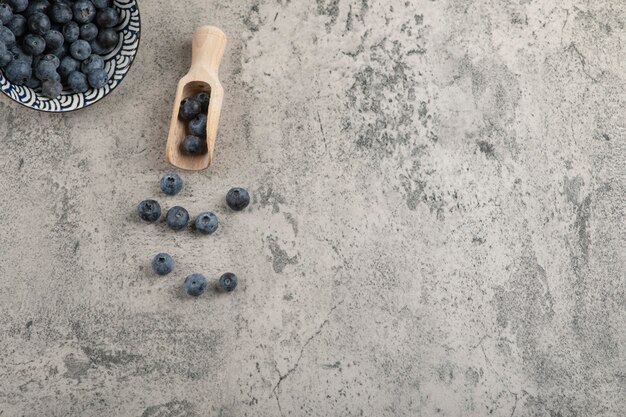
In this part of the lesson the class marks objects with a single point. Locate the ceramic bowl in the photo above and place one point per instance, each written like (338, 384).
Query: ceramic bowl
(117, 65)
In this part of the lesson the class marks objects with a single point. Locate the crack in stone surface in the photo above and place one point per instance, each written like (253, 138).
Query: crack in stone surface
(282, 377)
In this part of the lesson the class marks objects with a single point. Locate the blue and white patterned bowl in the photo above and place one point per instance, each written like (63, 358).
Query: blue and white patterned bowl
(117, 65)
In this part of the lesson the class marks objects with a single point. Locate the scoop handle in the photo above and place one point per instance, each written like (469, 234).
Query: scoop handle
(207, 49)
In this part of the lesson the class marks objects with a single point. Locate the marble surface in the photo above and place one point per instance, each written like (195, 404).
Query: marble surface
(437, 226)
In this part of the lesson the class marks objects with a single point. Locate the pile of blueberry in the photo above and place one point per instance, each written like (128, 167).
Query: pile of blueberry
(52, 44)
(194, 111)
(177, 218)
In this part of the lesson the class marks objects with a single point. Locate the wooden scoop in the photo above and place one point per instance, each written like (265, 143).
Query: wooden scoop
(207, 49)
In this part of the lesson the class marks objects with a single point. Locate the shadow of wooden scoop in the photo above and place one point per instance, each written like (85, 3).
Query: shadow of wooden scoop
(207, 49)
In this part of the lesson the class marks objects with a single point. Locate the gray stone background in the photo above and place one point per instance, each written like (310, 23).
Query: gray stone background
(437, 226)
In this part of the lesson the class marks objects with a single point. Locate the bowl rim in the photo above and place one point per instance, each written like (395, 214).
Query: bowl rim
(101, 98)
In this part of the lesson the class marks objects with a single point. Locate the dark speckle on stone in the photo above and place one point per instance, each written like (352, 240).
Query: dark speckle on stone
(486, 148)
(280, 257)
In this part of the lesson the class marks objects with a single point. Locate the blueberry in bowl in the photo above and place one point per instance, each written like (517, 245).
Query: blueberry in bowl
(95, 41)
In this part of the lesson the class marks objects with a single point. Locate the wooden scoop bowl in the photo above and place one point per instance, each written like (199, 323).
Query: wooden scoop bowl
(207, 49)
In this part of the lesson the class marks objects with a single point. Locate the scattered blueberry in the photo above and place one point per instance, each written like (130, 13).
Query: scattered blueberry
(162, 264)
(60, 13)
(108, 38)
(107, 18)
(84, 11)
(206, 222)
(38, 24)
(193, 145)
(18, 6)
(189, 108)
(237, 198)
(228, 281)
(71, 32)
(18, 72)
(33, 44)
(17, 25)
(80, 50)
(203, 98)
(177, 218)
(171, 183)
(94, 62)
(195, 284)
(197, 126)
(89, 31)
(149, 210)
(6, 13)
(51, 88)
(77, 81)
(97, 78)
(54, 40)
(6, 36)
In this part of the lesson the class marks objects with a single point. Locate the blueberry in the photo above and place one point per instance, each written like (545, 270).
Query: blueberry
(203, 98)
(98, 78)
(18, 6)
(97, 48)
(206, 222)
(5, 55)
(17, 25)
(18, 72)
(33, 83)
(162, 263)
(237, 198)
(61, 52)
(5, 59)
(80, 50)
(101, 4)
(54, 40)
(37, 6)
(94, 62)
(149, 210)
(38, 24)
(195, 284)
(6, 36)
(33, 44)
(88, 31)
(52, 58)
(171, 183)
(71, 32)
(18, 53)
(197, 126)
(107, 18)
(51, 88)
(177, 218)
(84, 11)
(6, 13)
(46, 70)
(193, 145)
(189, 108)
(108, 38)
(60, 13)
(228, 281)
(77, 81)
(68, 65)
